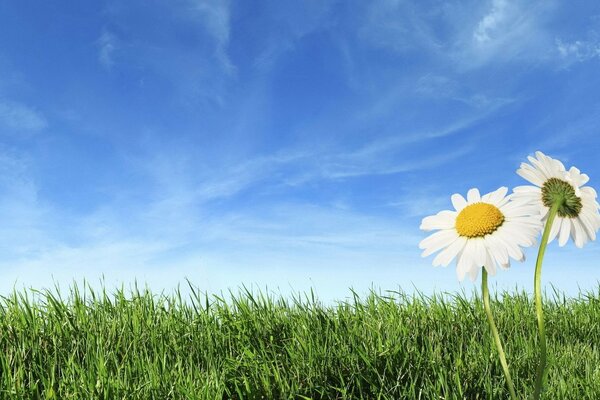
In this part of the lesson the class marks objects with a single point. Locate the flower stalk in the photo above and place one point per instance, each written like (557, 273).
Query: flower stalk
(541, 368)
(497, 341)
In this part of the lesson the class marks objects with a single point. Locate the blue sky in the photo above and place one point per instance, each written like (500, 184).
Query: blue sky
(285, 145)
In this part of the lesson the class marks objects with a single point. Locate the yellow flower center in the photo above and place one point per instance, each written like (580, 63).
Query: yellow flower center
(478, 220)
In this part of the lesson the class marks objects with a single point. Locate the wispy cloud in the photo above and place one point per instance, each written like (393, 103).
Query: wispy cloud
(464, 34)
(419, 203)
(197, 68)
(17, 117)
(558, 136)
(381, 160)
(303, 164)
(298, 226)
(23, 216)
(578, 50)
(215, 16)
(107, 45)
(403, 137)
(490, 24)
(399, 25)
(179, 234)
(508, 31)
(292, 23)
(436, 87)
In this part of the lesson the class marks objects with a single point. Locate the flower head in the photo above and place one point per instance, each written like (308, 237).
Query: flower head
(577, 216)
(482, 231)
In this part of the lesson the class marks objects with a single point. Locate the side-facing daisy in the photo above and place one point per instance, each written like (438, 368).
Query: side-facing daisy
(577, 215)
(482, 231)
(568, 209)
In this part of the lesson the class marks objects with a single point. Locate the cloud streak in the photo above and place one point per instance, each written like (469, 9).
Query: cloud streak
(17, 117)
(490, 23)
(470, 35)
(578, 50)
(107, 45)
(378, 161)
(215, 17)
(184, 43)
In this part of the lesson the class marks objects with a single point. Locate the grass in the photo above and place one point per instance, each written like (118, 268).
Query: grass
(136, 345)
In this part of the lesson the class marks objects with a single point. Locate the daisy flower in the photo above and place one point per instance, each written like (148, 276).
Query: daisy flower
(482, 231)
(577, 216)
(568, 209)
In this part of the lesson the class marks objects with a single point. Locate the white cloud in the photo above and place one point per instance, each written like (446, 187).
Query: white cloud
(399, 25)
(398, 141)
(178, 235)
(107, 44)
(19, 117)
(441, 87)
(490, 23)
(419, 204)
(215, 15)
(148, 40)
(292, 22)
(578, 50)
(298, 227)
(511, 30)
(465, 35)
(436, 85)
(23, 216)
(382, 159)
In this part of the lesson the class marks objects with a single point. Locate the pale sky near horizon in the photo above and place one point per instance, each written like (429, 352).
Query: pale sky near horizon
(285, 145)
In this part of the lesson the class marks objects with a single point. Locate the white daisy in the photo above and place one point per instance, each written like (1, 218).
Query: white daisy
(578, 215)
(482, 231)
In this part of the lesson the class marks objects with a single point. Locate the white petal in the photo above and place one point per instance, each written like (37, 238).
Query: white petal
(531, 220)
(496, 197)
(530, 227)
(536, 171)
(437, 241)
(458, 202)
(534, 199)
(474, 272)
(507, 241)
(443, 220)
(530, 176)
(446, 256)
(588, 225)
(527, 189)
(509, 231)
(496, 249)
(514, 209)
(555, 228)
(503, 201)
(550, 166)
(588, 190)
(544, 211)
(542, 166)
(473, 196)
(565, 231)
(480, 251)
(577, 178)
(464, 262)
(490, 263)
(579, 236)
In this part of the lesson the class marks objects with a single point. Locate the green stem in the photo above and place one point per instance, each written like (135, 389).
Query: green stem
(488, 311)
(537, 283)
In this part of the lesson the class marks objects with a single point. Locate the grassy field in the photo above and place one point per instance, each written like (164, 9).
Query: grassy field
(87, 345)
